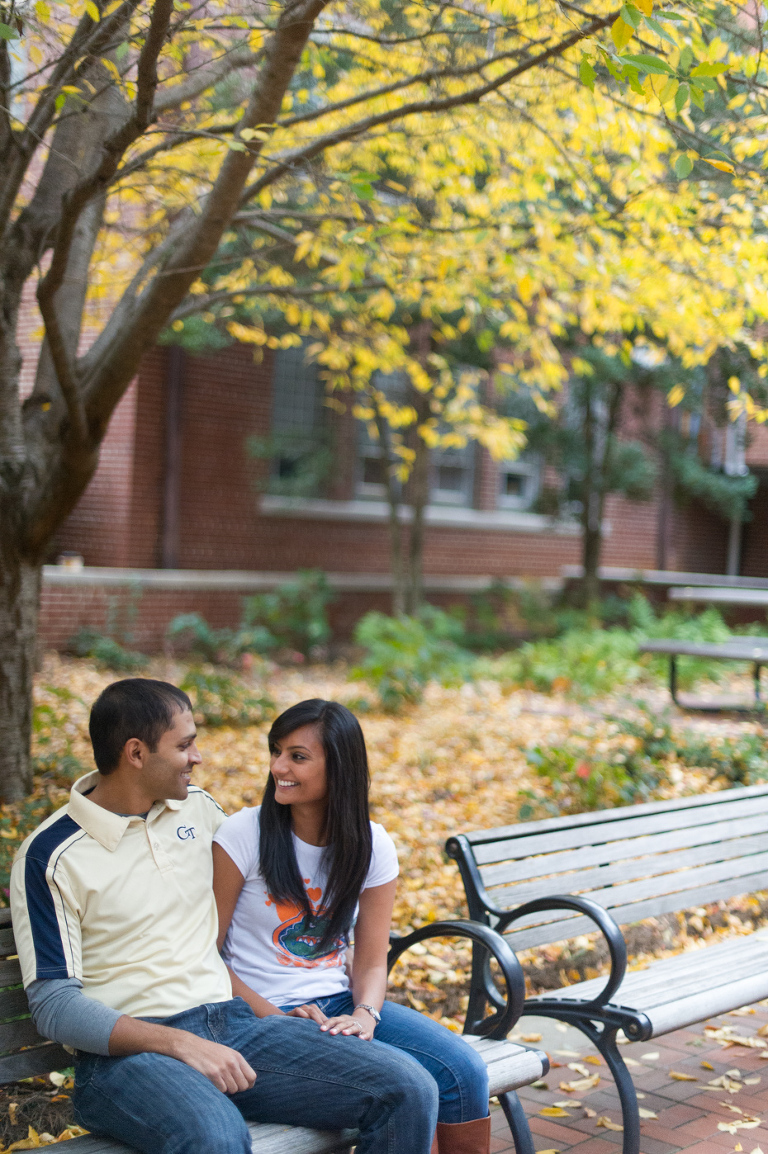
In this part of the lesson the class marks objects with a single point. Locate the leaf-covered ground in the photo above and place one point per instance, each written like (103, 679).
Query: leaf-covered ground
(456, 761)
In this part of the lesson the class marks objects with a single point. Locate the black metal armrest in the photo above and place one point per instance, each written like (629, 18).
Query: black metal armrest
(616, 945)
(496, 1025)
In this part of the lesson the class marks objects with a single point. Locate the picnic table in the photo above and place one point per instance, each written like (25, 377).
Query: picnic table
(751, 649)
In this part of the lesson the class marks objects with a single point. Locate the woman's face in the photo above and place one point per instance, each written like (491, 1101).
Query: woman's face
(297, 763)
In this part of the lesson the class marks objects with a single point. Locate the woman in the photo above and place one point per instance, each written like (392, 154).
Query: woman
(293, 876)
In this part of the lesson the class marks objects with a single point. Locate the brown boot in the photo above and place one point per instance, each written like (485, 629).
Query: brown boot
(463, 1137)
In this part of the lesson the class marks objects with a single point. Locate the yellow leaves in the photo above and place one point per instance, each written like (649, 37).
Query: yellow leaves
(247, 334)
(646, 1113)
(676, 1076)
(42, 11)
(607, 1124)
(675, 396)
(580, 1084)
(92, 11)
(645, 6)
(621, 33)
(721, 165)
(525, 289)
(554, 1112)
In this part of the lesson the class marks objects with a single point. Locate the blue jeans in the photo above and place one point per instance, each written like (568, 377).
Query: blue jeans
(460, 1073)
(159, 1105)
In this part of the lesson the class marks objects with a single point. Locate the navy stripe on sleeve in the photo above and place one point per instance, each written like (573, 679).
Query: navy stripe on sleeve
(50, 960)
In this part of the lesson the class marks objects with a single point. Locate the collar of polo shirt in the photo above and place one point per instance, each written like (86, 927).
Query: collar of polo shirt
(105, 827)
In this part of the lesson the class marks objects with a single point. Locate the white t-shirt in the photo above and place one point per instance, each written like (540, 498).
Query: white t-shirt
(268, 944)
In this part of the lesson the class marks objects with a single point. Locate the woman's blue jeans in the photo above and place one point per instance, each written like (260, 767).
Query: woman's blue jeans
(161, 1106)
(460, 1073)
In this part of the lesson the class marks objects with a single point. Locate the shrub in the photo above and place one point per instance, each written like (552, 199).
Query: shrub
(220, 699)
(108, 652)
(582, 662)
(219, 646)
(295, 614)
(404, 653)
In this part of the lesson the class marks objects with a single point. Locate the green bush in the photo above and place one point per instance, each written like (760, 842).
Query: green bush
(108, 652)
(677, 625)
(631, 761)
(404, 653)
(582, 662)
(220, 699)
(295, 614)
(219, 646)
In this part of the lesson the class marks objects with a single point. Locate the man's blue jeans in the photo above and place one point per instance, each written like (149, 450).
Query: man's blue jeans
(306, 1078)
(460, 1073)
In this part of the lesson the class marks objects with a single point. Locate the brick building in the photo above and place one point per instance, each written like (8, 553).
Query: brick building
(179, 488)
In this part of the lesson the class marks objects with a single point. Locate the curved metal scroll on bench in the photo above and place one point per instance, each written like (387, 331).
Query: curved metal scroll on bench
(598, 1018)
(507, 1009)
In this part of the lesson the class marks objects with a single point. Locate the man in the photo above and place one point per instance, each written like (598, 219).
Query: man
(116, 930)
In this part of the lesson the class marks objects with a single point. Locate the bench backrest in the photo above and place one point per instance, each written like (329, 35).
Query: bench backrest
(637, 861)
(25, 1053)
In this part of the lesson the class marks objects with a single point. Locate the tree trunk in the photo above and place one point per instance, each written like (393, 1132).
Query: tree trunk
(19, 597)
(395, 523)
(419, 499)
(592, 543)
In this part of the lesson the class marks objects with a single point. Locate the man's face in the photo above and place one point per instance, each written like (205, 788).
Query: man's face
(167, 770)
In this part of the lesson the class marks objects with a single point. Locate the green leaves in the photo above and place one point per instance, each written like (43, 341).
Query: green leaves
(8, 33)
(683, 166)
(587, 73)
(653, 64)
(708, 69)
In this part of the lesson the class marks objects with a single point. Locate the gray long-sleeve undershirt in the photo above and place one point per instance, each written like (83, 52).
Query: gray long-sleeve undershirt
(62, 1012)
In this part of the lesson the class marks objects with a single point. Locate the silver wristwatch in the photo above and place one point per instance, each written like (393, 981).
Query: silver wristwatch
(374, 1013)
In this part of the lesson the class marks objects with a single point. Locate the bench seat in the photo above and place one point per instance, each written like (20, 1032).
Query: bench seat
(509, 1067)
(677, 992)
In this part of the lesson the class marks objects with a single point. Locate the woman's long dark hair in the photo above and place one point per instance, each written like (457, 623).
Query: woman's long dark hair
(347, 828)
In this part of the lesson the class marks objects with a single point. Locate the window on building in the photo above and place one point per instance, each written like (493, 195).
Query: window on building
(298, 443)
(371, 475)
(452, 476)
(519, 482)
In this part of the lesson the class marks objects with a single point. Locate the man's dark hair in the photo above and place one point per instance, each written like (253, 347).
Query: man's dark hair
(135, 707)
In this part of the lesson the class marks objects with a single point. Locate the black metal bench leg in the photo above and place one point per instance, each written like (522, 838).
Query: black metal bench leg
(606, 1043)
(673, 678)
(518, 1123)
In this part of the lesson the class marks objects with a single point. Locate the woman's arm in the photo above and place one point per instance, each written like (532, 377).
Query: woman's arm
(369, 977)
(227, 884)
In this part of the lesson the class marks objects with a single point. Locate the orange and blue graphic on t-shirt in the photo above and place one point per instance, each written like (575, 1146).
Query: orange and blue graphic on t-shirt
(297, 938)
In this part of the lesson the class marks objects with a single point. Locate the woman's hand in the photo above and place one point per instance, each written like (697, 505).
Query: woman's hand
(357, 1025)
(314, 1013)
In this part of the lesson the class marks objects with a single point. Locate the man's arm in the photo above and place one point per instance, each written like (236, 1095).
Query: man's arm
(62, 1012)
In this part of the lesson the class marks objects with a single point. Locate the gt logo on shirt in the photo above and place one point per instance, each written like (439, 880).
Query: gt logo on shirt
(184, 832)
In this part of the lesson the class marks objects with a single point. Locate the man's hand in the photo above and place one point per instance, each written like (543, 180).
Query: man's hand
(226, 1068)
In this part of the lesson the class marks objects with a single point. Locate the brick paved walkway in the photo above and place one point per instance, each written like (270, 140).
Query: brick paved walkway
(687, 1112)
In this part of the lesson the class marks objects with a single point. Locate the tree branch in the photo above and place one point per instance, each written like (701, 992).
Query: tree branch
(89, 39)
(201, 304)
(474, 96)
(171, 96)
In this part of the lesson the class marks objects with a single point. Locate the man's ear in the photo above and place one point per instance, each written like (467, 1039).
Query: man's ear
(133, 751)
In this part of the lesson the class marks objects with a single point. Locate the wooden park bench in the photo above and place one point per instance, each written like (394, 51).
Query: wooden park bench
(752, 649)
(25, 1054)
(543, 882)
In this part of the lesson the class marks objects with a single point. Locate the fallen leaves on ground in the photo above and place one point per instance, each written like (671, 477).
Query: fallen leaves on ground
(607, 1124)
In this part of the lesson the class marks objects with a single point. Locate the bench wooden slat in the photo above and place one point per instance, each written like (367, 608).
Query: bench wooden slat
(30, 1063)
(558, 928)
(10, 973)
(732, 858)
(13, 1003)
(616, 851)
(603, 832)
(737, 649)
(267, 1138)
(481, 840)
(14, 1035)
(7, 944)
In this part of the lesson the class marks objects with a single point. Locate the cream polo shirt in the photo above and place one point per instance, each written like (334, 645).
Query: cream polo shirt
(122, 903)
